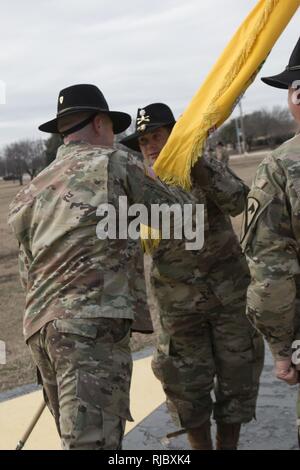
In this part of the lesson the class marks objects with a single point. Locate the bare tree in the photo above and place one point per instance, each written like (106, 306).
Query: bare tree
(33, 156)
(51, 146)
(2, 167)
(14, 166)
(264, 127)
(25, 156)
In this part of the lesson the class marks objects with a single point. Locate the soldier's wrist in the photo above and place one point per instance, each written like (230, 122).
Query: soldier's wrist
(281, 351)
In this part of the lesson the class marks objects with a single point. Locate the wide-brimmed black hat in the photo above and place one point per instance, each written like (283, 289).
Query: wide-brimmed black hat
(290, 74)
(149, 118)
(84, 98)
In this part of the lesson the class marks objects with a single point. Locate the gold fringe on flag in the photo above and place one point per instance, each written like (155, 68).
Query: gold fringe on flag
(230, 77)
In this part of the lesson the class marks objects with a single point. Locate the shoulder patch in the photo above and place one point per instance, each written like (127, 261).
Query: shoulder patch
(253, 206)
(261, 183)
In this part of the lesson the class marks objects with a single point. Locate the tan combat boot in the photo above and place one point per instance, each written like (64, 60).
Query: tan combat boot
(200, 438)
(228, 436)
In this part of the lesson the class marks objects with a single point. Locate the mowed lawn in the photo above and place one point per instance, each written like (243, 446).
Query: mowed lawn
(19, 369)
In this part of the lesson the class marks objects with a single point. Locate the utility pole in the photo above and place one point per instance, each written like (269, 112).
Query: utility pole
(238, 136)
(242, 127)
(5, 165)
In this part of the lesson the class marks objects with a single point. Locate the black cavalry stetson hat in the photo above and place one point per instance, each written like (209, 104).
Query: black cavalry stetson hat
(85, 98)
(148, 119)
(290, 74)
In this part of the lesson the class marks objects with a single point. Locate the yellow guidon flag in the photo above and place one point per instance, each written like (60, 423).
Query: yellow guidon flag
(230, 77)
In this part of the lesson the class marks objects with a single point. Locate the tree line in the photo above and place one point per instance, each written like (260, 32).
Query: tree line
(263, 129)
(32, 156)
(27, 157)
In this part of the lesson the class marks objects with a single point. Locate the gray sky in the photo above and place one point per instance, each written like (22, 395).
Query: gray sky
(136, 51)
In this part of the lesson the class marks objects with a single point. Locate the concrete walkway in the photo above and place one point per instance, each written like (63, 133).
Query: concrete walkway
(274, 429)
(16, 413)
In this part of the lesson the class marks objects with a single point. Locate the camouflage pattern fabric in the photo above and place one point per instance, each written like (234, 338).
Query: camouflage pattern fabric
(298, 413)
(206, 342)
(271, 242)
(142, 322)
(211, 348)
(67, 271)
(82, 292)
(86, 365)
(222, 155)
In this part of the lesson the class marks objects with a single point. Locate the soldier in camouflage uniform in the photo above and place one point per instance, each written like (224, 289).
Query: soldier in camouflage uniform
(80, 289)
(271, 239)
(205, 335)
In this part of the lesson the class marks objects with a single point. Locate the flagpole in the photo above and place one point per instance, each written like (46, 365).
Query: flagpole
(242, 128)
(238, 138)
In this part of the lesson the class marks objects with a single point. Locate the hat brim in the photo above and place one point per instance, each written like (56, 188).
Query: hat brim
(282, 80)
(121, 121)
(132, 142)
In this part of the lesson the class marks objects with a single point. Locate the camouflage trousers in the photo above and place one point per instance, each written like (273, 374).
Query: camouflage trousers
(214, 348)
(85, 366)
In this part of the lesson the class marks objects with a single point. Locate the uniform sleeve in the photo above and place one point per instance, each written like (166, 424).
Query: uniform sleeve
(271, 252)
(178, 214)
(224, 187)
(141, 185)
(23, 267)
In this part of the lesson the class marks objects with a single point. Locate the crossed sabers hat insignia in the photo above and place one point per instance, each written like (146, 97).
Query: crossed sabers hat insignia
(142, 121)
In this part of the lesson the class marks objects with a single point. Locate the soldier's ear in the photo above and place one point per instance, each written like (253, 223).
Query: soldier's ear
(97, 124)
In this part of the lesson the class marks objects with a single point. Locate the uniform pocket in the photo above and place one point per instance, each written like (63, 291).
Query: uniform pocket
(124, 342)
(104, 393)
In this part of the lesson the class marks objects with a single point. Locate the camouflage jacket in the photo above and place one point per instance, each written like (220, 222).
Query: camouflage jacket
(222, 155)
(177, 275)
(271, 242)
(67, 271)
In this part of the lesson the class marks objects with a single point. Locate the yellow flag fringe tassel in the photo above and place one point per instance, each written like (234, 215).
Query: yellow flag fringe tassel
(230, 77)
